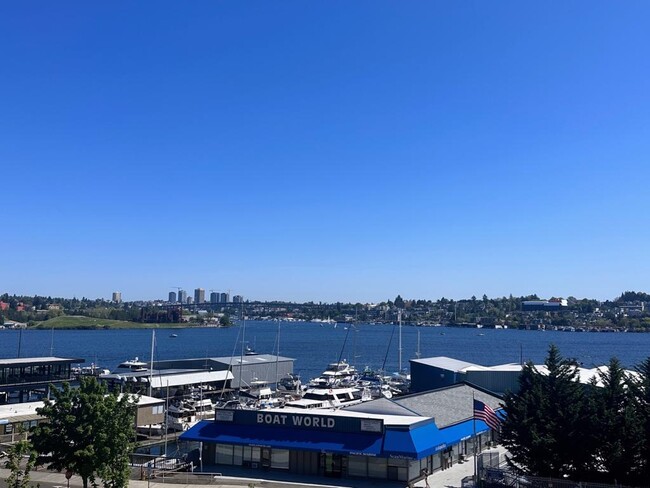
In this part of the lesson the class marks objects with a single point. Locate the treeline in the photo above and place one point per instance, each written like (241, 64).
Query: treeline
(557, 427)
(584, 312)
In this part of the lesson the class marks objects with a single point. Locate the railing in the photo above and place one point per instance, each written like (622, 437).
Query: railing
(491, 477)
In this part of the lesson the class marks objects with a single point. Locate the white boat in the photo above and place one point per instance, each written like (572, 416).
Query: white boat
(150, 429)
(262, 394)
(336, 374)
(328, 398)
(203, 408)
(132, 365)
(180, 417)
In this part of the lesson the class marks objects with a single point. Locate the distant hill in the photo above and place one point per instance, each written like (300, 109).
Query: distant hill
(82, 322)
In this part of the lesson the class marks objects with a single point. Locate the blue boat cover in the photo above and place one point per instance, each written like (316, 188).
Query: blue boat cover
(282, 438)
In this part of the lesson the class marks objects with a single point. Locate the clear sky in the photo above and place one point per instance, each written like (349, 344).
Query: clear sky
(325, 150)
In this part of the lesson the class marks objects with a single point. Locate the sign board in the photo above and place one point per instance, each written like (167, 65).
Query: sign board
(309, 421)
(225, 416)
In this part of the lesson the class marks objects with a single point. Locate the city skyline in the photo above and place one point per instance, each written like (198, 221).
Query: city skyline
(325, 151)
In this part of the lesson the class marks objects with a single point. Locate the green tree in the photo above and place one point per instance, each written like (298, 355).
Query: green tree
(618, 437)
(81, 432)
(225, 321)
(116, 440)
(19, 476)
(546, 419)
(640, 386)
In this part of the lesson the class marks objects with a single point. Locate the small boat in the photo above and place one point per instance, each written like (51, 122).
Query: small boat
(173, 335)
(290, 382)
(150, 430)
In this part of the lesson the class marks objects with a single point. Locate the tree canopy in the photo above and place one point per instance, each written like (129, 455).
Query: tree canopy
(88, 431)
(557, 427)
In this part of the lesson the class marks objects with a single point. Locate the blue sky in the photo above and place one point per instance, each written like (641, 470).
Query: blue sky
(325, 150)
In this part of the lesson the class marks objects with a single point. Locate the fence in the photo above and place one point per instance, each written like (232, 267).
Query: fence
(495, 477)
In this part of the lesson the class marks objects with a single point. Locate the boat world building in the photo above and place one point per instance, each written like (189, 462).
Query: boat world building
(400, 439)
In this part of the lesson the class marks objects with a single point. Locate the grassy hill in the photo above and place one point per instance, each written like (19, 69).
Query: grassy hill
(81, 322)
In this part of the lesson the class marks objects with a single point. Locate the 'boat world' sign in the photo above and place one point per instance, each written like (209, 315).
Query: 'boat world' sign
(296, 420)
(299, 421)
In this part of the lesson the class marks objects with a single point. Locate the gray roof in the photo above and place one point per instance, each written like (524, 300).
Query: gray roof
(445, 363)
(382, 406)
(169, 377)
(36, 361)
(251, 359)
(450, 405)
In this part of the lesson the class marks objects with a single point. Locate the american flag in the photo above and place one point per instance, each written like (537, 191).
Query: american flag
(486, 414)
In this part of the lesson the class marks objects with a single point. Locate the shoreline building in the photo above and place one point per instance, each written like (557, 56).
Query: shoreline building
(401, 439)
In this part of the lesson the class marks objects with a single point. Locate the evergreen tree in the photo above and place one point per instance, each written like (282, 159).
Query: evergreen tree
(640, 387)
(546, 426)
(617, 434)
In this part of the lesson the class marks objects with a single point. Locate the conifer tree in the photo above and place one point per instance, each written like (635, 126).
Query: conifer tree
(617, 436)
(546, 425)
(640, 387)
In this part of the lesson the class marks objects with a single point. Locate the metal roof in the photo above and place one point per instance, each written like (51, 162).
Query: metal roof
(449, 405)
(37, 361)
(381, 406)
(445, 362)
(251, 359)
(16, 411)
(196, 378)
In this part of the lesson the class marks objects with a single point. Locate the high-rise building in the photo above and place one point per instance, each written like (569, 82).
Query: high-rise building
(172, 297)
(237, 299)
(182, 296)
(199, 296)
(225, 298)
(117, 297)
(190, 300)
(214, 297)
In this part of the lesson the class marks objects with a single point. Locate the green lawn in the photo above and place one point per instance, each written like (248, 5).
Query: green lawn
(81, 322)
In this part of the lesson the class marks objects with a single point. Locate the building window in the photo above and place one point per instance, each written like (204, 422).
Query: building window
(357, 466)
(224, 454)
(158, 409)
(280, 458)
(377, 468)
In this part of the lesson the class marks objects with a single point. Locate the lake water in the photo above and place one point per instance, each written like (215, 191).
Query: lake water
(314, 345)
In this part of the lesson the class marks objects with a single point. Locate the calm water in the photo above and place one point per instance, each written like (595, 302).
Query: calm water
(313, 345)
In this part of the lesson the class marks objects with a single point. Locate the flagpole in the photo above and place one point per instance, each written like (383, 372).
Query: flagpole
(475, 449)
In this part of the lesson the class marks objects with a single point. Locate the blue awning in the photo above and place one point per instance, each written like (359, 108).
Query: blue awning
(276, 437)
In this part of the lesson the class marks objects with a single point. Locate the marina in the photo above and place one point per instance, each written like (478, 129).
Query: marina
(313, 347)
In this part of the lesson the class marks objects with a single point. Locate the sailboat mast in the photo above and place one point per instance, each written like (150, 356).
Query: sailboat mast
(399, 319)
(243, 341)
(153, 342)
(277, 359)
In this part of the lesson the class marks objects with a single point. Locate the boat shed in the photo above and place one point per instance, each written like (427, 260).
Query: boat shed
(381, 439)
(23, 377)
(161, 382)
(245, 368)
(437, 372)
